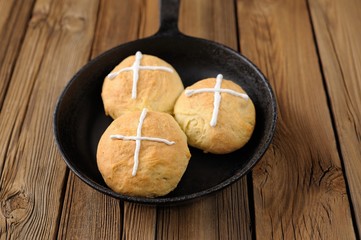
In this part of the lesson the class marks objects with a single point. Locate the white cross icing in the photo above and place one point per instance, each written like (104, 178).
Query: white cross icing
(217, 90)
(138, 140)
(135, 68)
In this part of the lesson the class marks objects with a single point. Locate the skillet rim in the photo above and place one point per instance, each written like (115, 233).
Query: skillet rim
(178, 199)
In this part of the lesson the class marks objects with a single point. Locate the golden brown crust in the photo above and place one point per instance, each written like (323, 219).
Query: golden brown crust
(160, 167)
(236, 118)
(156, 90)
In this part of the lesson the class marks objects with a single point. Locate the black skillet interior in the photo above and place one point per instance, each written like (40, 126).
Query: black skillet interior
(79, 118)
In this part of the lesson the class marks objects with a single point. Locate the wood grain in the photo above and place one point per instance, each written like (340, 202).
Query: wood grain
(13, 19)
(299, 187)
(105, 217)
(139, 221)
(213, 20)
(226, 214)
(124, 21)
(88, 214)
(338, 37)
(33, 174)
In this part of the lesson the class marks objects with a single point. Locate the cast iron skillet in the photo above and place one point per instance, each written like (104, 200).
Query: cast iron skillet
(79, 118)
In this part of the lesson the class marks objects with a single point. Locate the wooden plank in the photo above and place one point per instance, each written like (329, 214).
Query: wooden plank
(299, 187)
(338, 36)
(196, 220)
(213, 20)
(226, 214)
(56, 44)
(106, 217)
(234, 213)
(124, 21)
(13, 21)
(139, 221)
(222, 216)
(88, 214)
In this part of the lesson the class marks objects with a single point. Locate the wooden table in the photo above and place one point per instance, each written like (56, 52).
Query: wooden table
(307, 186)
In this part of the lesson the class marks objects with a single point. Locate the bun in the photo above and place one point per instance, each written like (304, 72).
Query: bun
(157, 86)
(160, 165)
(235, 120)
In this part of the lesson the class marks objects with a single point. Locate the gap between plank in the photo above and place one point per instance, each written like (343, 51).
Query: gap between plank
(67, 170)
(333, 122)
(62, 198)
(249, 178)
(237, 26)
(21, 41)
(121, 208)
(21, 124)
(91, 53)
(251, 206)
(7, 84)
(96, 26)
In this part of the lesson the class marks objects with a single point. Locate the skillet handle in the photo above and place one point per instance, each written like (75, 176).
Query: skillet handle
(169, 10)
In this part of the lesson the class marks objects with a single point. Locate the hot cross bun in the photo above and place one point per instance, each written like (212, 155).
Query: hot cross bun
(216, 115)
(141, 81)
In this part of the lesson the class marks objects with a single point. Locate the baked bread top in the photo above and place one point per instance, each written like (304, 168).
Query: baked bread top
(141, 81)
(216, 115)
(143, 154)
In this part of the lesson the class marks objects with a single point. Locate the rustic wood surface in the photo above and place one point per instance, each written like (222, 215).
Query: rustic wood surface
(303, 162)
(305, 187)
(336, 26)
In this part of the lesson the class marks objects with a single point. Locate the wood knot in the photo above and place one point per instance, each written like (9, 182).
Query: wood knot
(39, 18)
(16, 207)
(73, 23)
